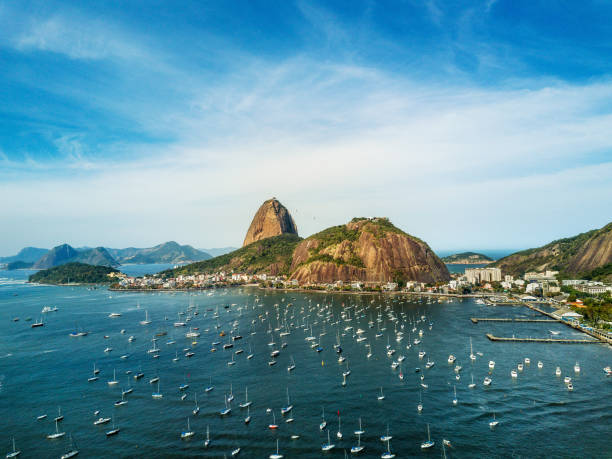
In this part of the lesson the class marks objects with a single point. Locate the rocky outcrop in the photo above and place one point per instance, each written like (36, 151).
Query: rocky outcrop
(572, 256)
(370, 250)
(272, 219)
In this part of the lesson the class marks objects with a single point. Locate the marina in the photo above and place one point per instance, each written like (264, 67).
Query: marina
(347, 363)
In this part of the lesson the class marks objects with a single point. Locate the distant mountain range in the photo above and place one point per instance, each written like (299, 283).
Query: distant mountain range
(169, 252)
(65, 253)
(27, 255)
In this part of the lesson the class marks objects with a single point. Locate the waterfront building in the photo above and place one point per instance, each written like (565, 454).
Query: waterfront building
(478, 275)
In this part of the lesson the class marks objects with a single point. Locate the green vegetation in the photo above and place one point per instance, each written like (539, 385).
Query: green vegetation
(19, 265)
(602, 274)
(555, 255)
(272, 255)
(335, 235)
(73, 273)
(469, 257)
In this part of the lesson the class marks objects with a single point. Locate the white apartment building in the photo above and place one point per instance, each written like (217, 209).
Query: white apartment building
(478, 275)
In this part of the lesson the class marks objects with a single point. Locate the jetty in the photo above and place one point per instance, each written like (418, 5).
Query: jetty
(543, 340)
(508, 319)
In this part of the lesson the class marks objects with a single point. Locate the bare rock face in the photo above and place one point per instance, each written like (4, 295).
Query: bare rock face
(272, 219)
(370, 250)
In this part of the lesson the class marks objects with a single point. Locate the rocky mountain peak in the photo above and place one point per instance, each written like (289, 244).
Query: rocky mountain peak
(271, 219)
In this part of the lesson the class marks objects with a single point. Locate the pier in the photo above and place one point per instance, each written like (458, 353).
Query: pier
(544, 340)
(501, 319)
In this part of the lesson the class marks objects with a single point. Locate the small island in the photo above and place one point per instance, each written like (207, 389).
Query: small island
(75, 273)
(467, 258)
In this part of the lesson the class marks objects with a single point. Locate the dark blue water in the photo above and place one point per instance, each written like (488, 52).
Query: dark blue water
(42, 368)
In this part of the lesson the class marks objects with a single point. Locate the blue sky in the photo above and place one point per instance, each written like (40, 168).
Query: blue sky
(472, 125)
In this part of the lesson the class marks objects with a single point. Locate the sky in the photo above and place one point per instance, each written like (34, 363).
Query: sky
(472, 125)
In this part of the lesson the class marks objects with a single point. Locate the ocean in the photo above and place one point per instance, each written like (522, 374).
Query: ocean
(44, 368)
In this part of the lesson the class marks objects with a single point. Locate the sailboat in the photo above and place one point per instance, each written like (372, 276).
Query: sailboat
(472, 356)
(113, 431)
(358, 448)
(227, 409)
(455, 399)
(273, 426)
(291, 366)
(420, 405)
(246, 402)
(187, 433)
(71, 452)
(248, 416)
(276, 455)
(329, 445)
(381, 396)
(157, 394)
(360, 431)
(207, 441)
(323, 422)
(210, 387)
(146, 321)
(494, 422)
(387, 437)
(122, 401)
(429, 443)
(339, 433)
(13, 453)
(113, 382)
(94, 377)
(57, 433)
(289, 407)
(387, 454)
(472, 385)
(60, 416)
(196, 410)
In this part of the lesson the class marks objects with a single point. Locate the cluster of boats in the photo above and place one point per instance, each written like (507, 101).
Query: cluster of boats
(326, 333)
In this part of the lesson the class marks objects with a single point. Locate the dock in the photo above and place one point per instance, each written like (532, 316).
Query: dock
(503, 319)
(544, 340)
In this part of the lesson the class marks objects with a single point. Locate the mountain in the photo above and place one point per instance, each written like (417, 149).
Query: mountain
(27, 254)
(271, 219)
(218, 251)
(466, 258)
(64, 253)
(73, 273)
(271, 255)
(366, 249)
(168, 252)
(572, 256)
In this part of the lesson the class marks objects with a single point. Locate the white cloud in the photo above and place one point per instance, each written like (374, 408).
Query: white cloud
(454, 165)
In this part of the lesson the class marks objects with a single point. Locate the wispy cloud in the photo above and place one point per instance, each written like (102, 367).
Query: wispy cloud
(76, 36)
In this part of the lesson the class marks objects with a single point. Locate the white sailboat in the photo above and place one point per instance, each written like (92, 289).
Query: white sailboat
(472, 356)
(57, 433)
(187, 433)
(429, 443)
(494, 422)
(286, 409)
(359, 447)
(386, 437)
(360, 431)
(146, 321)
(339, 433)
(381, 396)
(329, 445)
(72, 451)
(13, 453)
(157, 394)
(113, 382)
(276, 455)
(246, 402)
(323, 423)
(207, 441)
(455, 399)
(387, 454)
